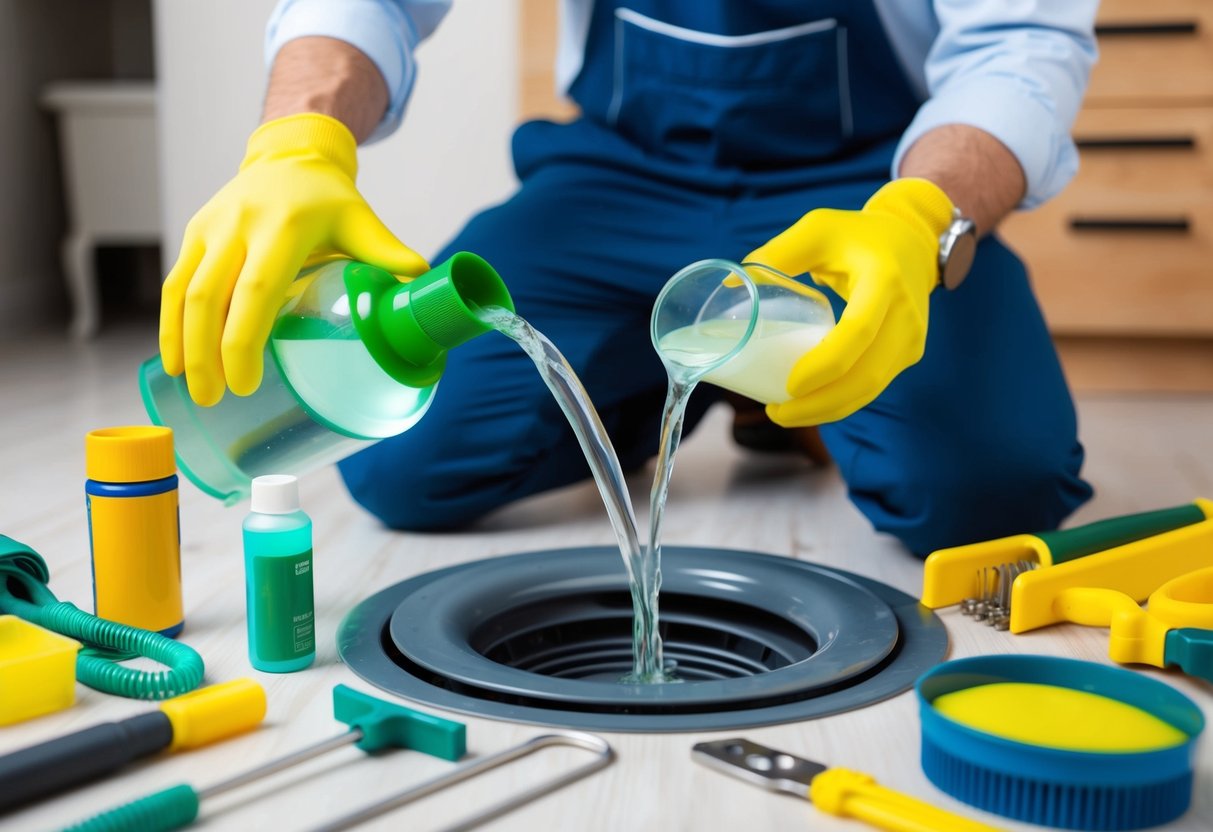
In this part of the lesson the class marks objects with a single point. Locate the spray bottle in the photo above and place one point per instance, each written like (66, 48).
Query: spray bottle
(278, 577)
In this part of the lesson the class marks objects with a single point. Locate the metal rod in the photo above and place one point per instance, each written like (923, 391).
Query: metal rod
(472, 768)
(274, 766)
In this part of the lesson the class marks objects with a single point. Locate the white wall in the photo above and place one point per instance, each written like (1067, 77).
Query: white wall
(450, 157)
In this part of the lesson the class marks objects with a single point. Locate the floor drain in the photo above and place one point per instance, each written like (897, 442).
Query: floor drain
(544, 637)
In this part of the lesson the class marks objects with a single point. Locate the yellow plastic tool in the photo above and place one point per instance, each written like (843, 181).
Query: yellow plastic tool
(204, 716)
(1134, 569)
(1176, 630)
(836, 791)
(950, 575)
(37, 670)
(214, 713)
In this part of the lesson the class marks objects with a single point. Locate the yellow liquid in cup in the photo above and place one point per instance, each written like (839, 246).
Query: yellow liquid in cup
(760, 370)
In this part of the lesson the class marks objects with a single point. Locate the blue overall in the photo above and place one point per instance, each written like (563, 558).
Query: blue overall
(694, 145)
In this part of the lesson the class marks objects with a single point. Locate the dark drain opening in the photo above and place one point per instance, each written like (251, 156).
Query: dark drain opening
(590, 637)
(621, 707)
(544, 637)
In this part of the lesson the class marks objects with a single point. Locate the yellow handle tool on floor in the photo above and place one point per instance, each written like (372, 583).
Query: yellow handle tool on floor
(1176, 630)
(836, 791)
(1136, 569)
(949, 575)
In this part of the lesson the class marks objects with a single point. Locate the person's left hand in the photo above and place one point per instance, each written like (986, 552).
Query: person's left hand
(883, 261)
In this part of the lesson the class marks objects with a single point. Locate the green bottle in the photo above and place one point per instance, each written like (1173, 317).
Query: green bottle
(354, 357)
(278, 577)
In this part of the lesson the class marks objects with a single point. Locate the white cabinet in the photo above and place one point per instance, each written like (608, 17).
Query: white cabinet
(107, 134)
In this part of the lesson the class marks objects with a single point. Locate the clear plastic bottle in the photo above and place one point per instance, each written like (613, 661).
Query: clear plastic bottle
(354, 357)
(278, 577)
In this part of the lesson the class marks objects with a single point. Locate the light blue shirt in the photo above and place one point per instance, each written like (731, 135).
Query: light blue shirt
(1014, 68)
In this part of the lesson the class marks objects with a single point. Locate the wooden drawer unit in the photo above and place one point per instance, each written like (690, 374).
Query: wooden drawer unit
(1128, 247)
(1153, 51)
(1122, 260)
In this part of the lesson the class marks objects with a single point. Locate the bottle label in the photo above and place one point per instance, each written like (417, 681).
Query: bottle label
(282, 609)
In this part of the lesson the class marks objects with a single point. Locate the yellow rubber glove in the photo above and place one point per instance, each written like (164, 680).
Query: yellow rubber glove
(882, 260)
(293, 202)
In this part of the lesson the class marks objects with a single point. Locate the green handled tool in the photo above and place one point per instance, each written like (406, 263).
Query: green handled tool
(374, 725)
(195, 719)
(951, 575)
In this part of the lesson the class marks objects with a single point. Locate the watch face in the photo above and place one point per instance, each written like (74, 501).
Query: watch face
(957, 253)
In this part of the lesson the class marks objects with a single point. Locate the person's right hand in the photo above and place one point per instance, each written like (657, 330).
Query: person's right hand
(293, 202)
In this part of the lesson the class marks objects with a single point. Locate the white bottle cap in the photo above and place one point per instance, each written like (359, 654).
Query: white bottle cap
(275, 494)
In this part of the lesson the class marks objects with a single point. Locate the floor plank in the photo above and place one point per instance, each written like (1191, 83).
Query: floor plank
(1142, 453)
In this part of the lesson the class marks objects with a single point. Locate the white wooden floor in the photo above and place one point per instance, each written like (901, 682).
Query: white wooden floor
(1143, 453)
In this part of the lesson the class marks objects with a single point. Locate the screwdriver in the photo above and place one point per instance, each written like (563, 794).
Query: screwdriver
(189, 721)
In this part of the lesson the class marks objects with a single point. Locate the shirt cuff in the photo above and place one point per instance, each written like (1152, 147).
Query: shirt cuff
(1006, 108)
(382, 31)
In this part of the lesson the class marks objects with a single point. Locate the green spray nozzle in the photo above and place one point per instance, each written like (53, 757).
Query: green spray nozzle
(387, 725)
(408, 327)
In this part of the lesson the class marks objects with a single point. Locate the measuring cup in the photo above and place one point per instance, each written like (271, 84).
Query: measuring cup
(739, 326)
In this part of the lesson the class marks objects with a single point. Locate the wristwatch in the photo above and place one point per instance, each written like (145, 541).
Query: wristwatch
(957, 246)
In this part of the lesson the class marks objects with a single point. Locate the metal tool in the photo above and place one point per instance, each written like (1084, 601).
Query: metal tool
(837, 791)
(374, 725)
(950, 575)
(992, 603)
(603, 755)
(203, 716)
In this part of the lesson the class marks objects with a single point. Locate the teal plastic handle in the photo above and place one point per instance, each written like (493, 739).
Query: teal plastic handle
(1191, 650)
(388, 725)
(173, 808)
(1071, 544)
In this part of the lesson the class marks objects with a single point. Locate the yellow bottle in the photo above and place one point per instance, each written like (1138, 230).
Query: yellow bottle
(134, 533)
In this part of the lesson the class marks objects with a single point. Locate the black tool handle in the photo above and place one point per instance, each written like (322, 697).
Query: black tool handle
(59, 764)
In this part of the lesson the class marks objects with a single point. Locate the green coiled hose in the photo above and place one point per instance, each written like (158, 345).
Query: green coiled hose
(24, 593)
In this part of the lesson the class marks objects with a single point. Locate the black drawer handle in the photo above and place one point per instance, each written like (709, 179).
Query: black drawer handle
(1179, 27)
(1179, 224)
(1136, 143)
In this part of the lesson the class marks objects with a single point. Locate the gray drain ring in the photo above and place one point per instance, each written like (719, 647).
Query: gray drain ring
(852, 630)
(365, 642)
